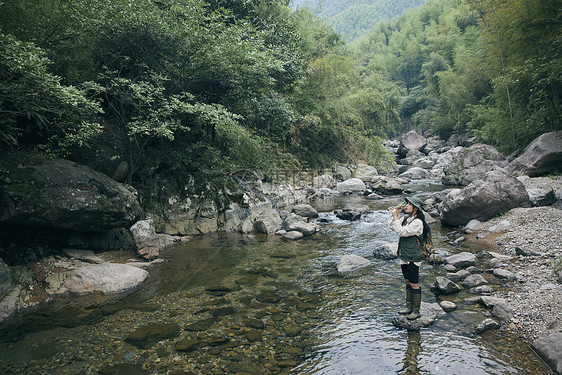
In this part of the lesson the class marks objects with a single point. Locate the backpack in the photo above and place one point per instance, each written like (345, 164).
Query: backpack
(426, 247)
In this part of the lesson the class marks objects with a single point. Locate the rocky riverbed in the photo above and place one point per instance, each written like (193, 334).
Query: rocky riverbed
(533, 243)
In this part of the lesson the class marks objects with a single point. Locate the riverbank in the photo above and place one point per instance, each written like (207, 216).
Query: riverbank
(533, 241)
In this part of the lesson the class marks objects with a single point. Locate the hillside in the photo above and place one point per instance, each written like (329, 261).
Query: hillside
(354, 18)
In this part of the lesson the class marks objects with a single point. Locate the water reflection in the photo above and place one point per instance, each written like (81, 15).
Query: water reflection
(413, 350)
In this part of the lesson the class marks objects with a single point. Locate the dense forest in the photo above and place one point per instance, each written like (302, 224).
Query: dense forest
(353, 18)
(180, 86)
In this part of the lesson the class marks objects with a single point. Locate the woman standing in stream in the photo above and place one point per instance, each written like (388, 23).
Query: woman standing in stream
(410, 229)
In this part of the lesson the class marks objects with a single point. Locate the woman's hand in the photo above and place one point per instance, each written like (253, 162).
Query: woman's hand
(395, 211)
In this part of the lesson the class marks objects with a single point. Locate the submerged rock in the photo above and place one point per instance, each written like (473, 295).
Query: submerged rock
(352, 262)
(486, 325)
(146, 336)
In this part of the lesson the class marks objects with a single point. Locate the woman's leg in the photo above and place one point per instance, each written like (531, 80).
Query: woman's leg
(414, 278)
(408, 309)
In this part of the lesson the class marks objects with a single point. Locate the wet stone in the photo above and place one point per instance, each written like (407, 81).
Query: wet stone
(123, 369)
(277, 317)
(219, 290)
(302, 306)
(223, 311)
(292, 330)
(188, 345)
(268, 297)
(482, 289)
(147, 336)
(217, 341)
(248, 280)
(201, 325)
(254, 335)
(486, 325)
(254, 323)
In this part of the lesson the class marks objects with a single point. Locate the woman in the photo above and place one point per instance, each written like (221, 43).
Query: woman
(410, 228)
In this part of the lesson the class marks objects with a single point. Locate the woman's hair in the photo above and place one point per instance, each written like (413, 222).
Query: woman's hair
(426, 228)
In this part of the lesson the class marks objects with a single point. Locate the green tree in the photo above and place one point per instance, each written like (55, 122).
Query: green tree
(35, 108)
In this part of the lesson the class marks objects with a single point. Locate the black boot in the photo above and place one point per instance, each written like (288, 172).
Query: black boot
(408, 309)
(416, 303)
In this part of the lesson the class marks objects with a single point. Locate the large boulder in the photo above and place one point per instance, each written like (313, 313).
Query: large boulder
(305, 210)
(549, 348)
(268, 222)
(149, 243)
(541, 157)
(352, 185)
(415, 173)
(471, 164)
(483, 199)
(365, 172)
(411, 141)
(386, 185)
(106, 278)
(61, 194)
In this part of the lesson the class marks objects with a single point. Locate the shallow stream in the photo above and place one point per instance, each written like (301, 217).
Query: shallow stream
(261, 305)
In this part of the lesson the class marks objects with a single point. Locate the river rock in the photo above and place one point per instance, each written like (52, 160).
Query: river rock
(461, 260)
(352, 185)
(442, 285)
(351, 262)
(426, 162)
(482, 289)
(473, 281)
(323, 181)
(292, 235)
(483, 199)
(307, 229)
(500, 273)
(147, 336)
(448, 306)
(549, 348)
(486, 325)
(60, 194)
(365, 172)
(387, 185)
(411, 141)
(541, 157)
(472, 164)
(502, 311)
(458, 276)
(415, 173)
(305, 210)
(386, 251)
(149, 243)
(502, 226)
(188, 345)
(429, 314)
(106, 278)
(268, 222)
(87, 256)
(473, 225)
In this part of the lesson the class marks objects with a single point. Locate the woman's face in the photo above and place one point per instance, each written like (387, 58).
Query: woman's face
(409, 208)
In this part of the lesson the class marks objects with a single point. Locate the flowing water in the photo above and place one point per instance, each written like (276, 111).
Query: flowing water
(261, 305)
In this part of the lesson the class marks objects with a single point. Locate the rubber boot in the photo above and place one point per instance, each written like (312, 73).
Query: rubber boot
(408, 309)
(416, 302)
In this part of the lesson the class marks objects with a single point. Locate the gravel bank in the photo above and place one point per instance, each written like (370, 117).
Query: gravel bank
(537, 303)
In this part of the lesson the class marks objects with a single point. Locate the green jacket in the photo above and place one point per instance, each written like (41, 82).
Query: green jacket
(408, 249)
